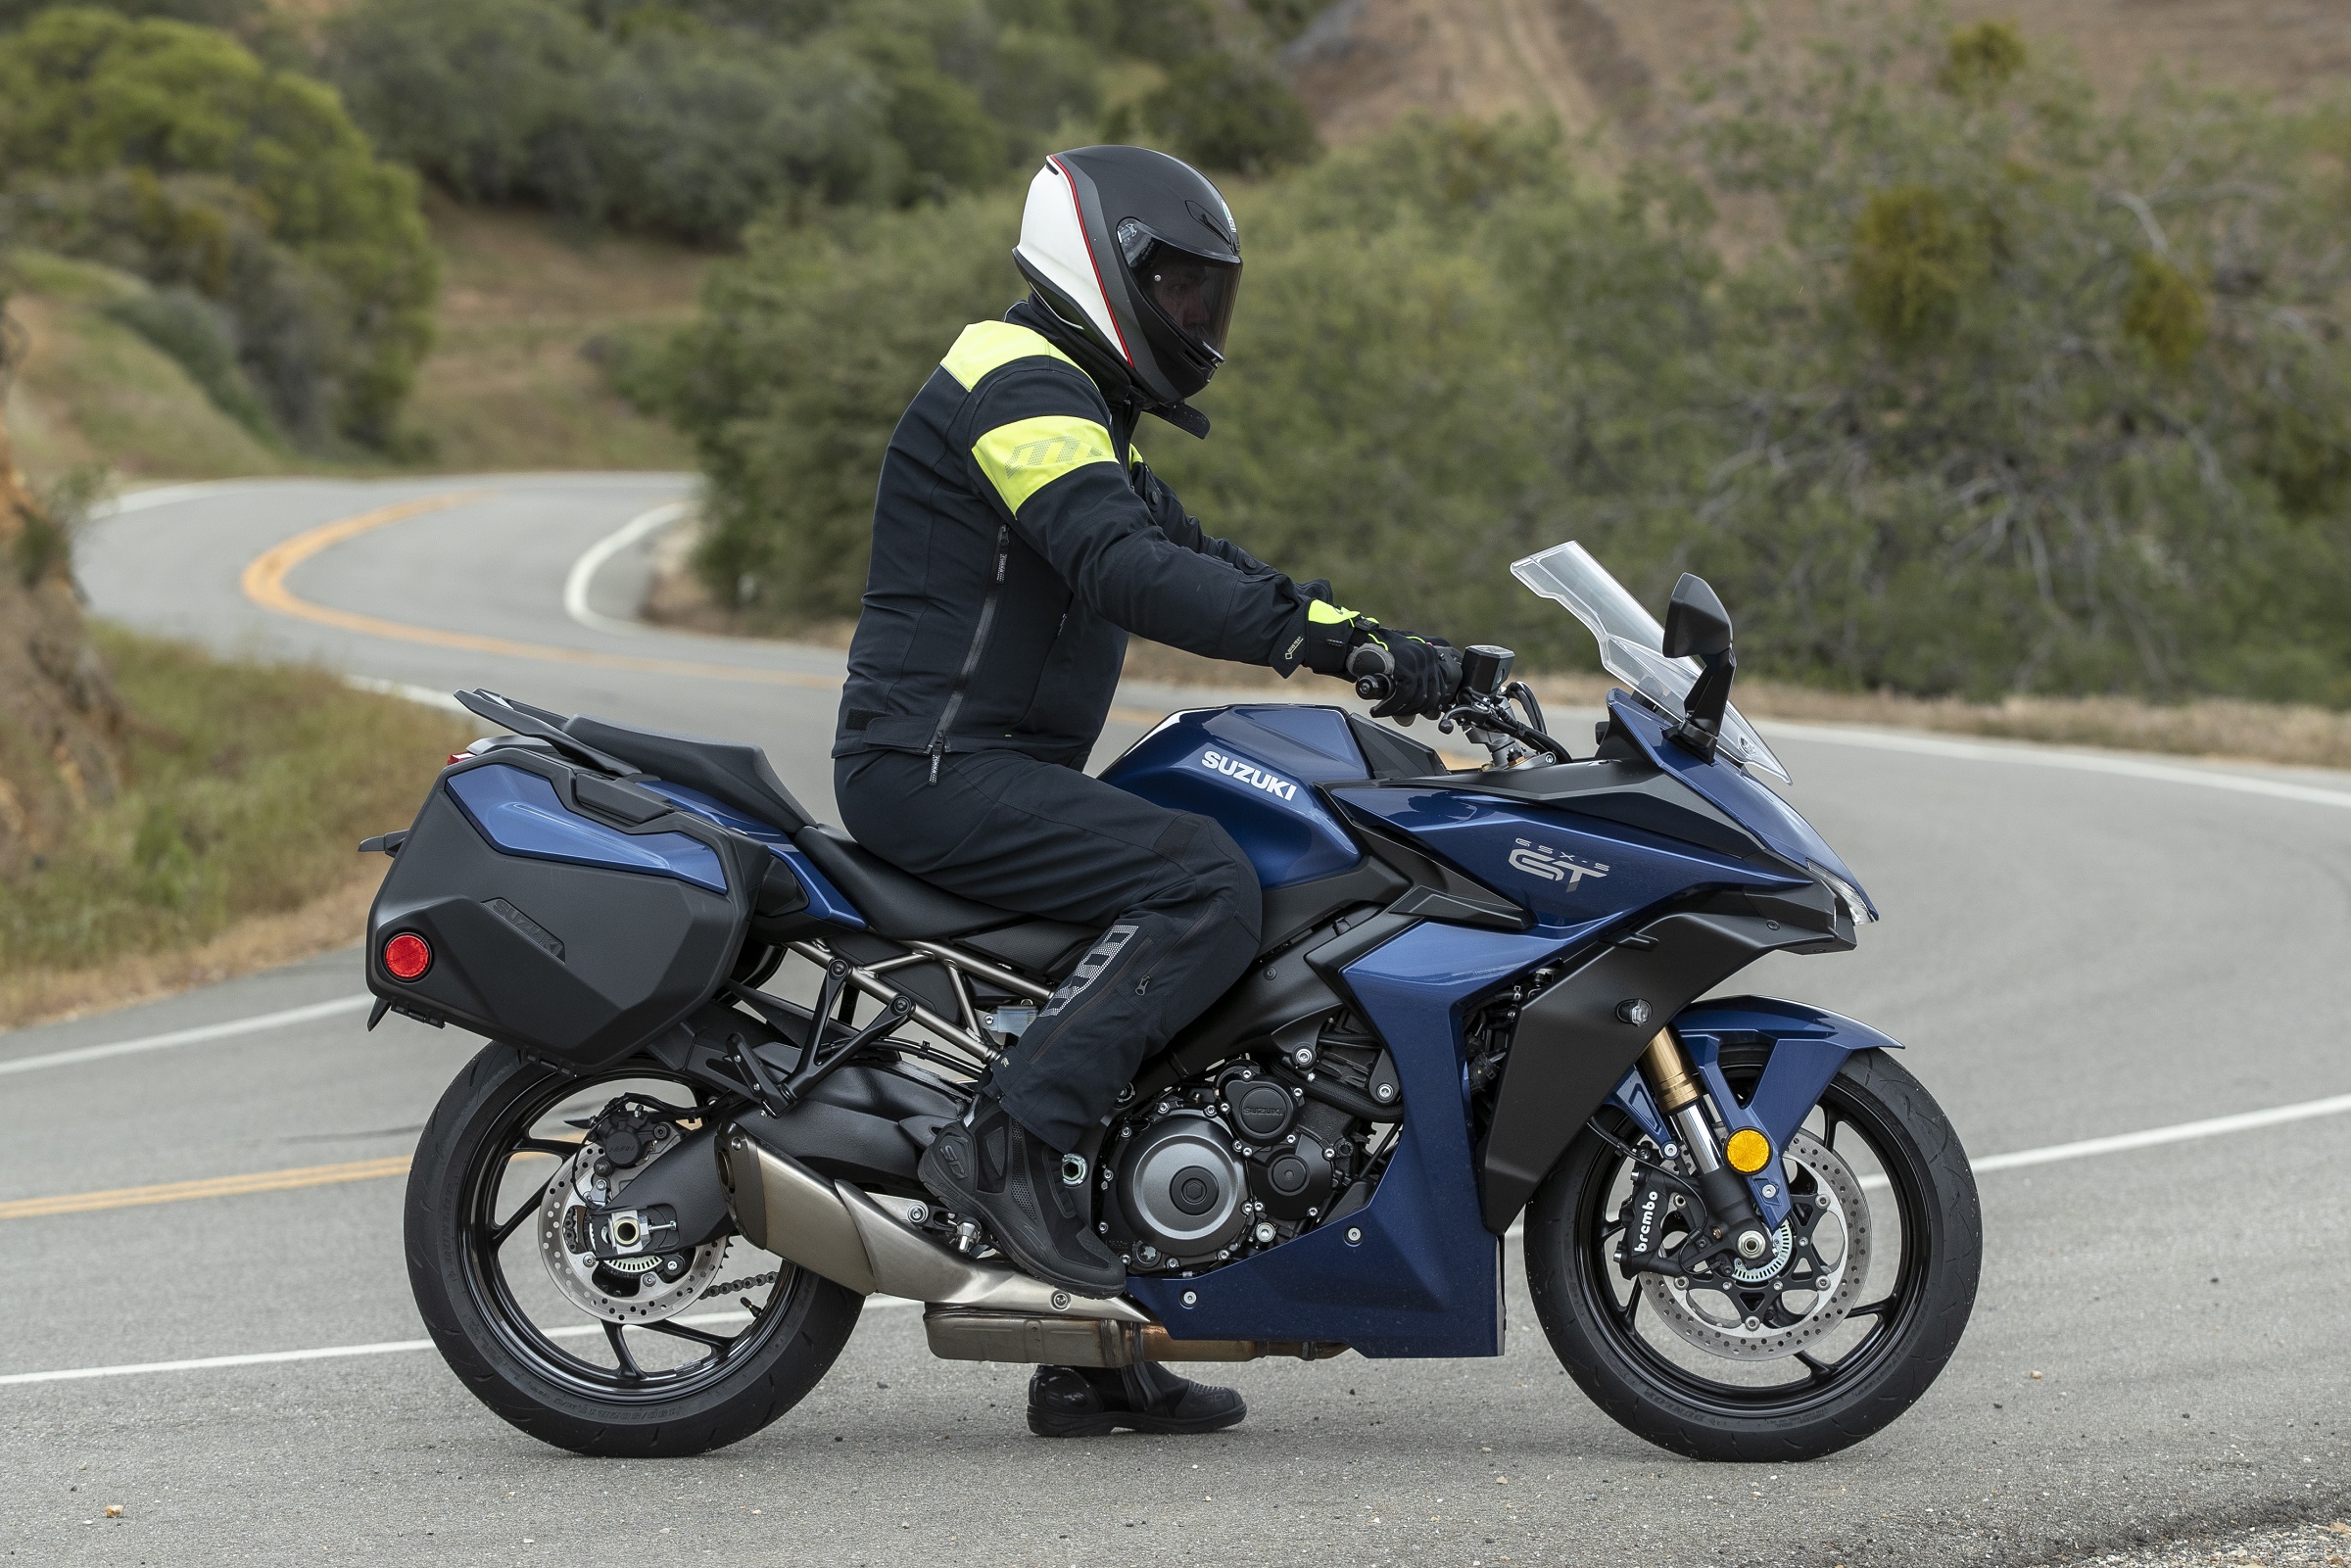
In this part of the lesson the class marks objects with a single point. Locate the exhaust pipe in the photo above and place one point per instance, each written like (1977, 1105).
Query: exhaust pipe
(957, 1334)
(834, 1229)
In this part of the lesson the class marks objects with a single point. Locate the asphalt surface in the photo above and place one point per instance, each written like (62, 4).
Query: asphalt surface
(2159, 1349)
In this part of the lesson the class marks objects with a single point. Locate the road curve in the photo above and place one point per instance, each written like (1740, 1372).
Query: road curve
(2070, 952)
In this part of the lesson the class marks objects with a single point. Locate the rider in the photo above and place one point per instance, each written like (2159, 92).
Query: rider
(1018, 539)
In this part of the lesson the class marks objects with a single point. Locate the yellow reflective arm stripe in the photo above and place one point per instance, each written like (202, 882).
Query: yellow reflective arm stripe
(1318, 613)
(987, 346)
(1023, 457)
(1134, 455)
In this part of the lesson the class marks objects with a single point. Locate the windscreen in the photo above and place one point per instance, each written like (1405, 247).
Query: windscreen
(1632, 643)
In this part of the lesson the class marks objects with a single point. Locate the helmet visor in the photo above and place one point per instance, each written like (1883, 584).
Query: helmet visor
(1194, 293)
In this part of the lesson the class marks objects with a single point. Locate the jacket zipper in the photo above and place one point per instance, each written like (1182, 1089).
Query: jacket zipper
(971, 659)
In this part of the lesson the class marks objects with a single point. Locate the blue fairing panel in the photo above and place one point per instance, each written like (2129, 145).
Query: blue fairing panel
(1253, 769)
(1729, 789)
(519, 814)
(825, 901)
(1808, 1047)
(1424, 1275)
(1566, 870)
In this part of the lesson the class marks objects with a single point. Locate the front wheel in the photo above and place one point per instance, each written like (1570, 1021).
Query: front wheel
(648, 1355)
(1817, 1345)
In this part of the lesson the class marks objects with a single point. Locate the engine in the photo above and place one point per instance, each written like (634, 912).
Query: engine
(1214, 1168)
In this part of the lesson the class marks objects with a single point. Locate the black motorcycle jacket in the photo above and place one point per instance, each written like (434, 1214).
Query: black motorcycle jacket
(1018, 539)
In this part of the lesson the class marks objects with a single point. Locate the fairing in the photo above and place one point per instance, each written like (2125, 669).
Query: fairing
(1254, 769)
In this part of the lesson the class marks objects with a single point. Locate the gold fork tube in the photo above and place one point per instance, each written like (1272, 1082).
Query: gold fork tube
(1669, 1078)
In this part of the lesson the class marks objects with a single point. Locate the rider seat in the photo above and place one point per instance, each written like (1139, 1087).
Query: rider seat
(894, 904)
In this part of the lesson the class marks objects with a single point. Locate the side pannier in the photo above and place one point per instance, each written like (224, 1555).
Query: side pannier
(574, 915)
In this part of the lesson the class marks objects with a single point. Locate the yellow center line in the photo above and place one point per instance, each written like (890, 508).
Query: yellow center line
(264, 583)
(173, 1191)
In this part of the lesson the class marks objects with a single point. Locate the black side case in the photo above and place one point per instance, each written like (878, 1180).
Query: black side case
(578, 964)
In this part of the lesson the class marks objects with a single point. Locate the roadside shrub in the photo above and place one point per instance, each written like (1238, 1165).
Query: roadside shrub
(691, 119)
(2004, 392)
(199, 336)
(86, 95)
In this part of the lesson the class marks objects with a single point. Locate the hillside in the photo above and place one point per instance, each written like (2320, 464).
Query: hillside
(527, 301)
(1365, 63)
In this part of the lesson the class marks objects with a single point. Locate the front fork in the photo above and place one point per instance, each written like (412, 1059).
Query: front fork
(1682, 1102)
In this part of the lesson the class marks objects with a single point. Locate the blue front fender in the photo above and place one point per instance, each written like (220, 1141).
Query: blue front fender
(1808, 1044)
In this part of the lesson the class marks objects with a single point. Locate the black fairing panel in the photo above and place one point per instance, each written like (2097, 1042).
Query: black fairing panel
(600, 961)
(1572, 1049)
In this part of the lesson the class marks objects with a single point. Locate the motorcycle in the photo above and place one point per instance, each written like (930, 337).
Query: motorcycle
(722, 1034)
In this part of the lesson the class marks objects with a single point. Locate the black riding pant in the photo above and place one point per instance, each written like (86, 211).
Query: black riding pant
(1175, 900)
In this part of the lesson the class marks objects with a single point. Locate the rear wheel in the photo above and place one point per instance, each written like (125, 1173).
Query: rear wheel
(1819, 1343)
(708, 1347)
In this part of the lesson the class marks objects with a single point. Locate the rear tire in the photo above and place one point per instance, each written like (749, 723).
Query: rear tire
(532, 1380)
(1664, 1394)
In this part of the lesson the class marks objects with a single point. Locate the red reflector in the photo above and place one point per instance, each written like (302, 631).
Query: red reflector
(457, 756)
(407, 955)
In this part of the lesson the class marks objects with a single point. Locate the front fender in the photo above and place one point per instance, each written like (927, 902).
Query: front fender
(1807, 1045)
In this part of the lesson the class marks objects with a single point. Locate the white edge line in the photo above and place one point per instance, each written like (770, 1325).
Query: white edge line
(195, 1037)
(2030, 754)
(424, 695)
(583, 571)
(331, 1353)
(2183, 1133)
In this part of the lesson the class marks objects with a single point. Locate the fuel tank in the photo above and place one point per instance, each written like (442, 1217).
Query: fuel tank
(1251, 768)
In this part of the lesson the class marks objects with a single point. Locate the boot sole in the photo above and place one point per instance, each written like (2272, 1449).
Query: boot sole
(945, 1188)
(1047, 1425)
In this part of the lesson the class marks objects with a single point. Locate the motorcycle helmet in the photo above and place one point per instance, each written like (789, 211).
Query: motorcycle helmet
(1137, 252)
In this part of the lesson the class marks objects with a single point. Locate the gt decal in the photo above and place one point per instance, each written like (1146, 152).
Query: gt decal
(1250, 773)
(1553, 866)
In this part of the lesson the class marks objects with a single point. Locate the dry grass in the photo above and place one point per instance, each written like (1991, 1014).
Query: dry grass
(510, 384)
(335, 919)
(245, 791)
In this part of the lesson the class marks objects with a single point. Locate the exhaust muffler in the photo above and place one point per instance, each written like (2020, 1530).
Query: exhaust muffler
(835, 1230)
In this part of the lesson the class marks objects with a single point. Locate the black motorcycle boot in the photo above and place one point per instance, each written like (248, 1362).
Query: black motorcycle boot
(992, 1169)
(1084, 1402)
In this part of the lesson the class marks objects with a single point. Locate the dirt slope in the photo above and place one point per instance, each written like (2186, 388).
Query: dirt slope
(1366, 61)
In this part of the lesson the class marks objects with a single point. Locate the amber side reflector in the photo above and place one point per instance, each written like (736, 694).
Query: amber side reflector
(407, 956)
(1749, 1150)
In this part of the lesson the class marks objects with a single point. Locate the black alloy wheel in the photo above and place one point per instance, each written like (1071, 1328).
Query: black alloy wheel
(756, 1336)
(1733, 1387)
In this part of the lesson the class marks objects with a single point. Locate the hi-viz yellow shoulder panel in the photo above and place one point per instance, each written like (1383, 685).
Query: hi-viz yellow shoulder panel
(987, 346)
(1025, 456)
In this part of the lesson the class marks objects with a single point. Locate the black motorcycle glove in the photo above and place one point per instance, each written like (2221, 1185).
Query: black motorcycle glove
(1421, 673)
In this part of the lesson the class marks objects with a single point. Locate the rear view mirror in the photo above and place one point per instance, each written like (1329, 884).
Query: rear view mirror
(1695, 623)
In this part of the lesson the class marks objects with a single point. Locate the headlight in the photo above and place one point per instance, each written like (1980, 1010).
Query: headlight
(1857, 909)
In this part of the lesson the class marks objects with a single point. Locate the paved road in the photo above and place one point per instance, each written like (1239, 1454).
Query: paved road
(2068, 952)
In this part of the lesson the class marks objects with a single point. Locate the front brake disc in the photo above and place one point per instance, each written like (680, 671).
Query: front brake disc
(1714, 1321)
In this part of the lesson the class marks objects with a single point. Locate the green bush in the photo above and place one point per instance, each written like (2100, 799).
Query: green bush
(193, 330)
(691, 119)
(86, 95)
(2004, 394)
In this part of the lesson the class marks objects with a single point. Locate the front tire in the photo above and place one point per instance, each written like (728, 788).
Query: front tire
(1923, 1236)
(541, 1361)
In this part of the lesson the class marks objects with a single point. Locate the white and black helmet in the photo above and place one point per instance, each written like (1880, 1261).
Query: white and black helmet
(1138, 253)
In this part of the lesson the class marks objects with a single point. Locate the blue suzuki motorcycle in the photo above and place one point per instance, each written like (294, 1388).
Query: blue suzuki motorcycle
(645, 1217)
